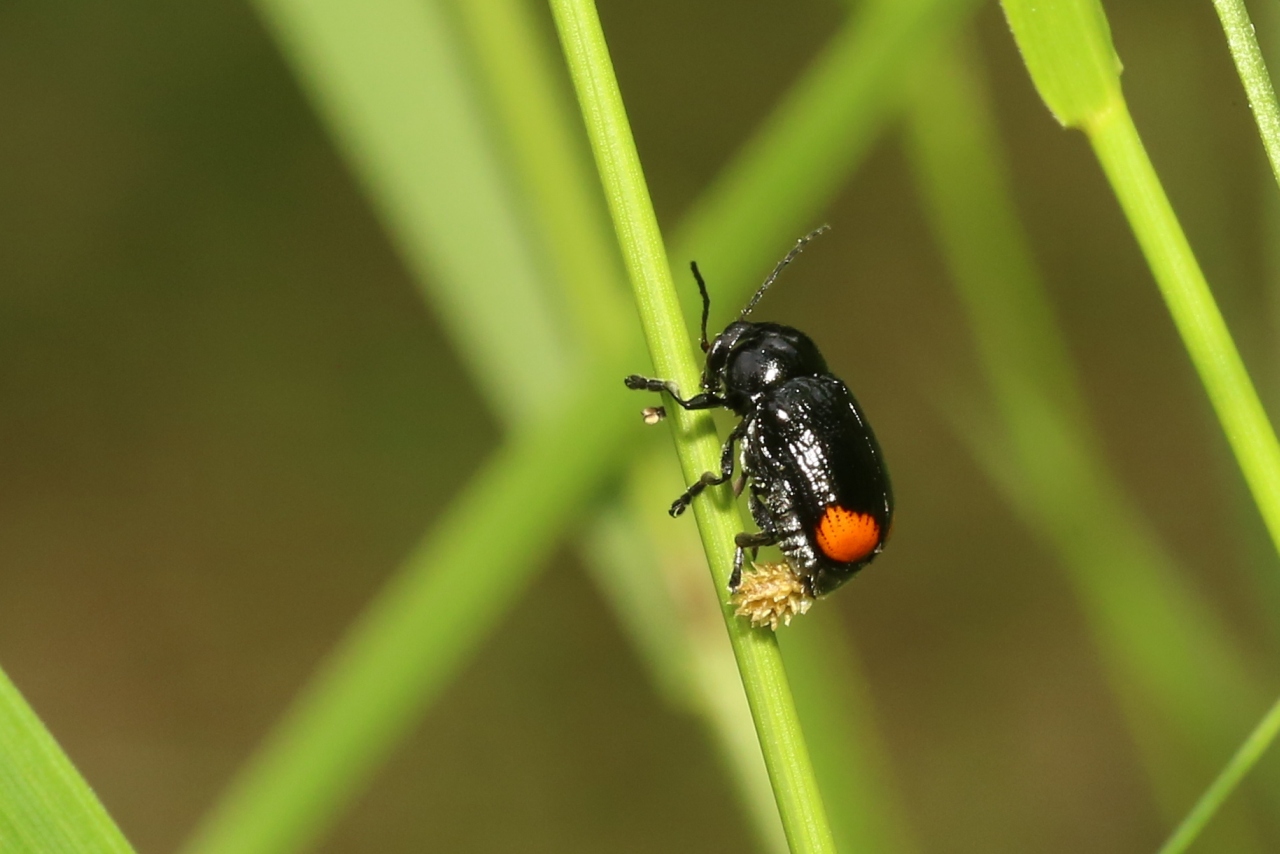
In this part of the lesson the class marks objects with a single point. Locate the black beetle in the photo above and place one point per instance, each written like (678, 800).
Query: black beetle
(819, 487)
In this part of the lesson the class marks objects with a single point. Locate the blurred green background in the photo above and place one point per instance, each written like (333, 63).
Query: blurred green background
(226, 416)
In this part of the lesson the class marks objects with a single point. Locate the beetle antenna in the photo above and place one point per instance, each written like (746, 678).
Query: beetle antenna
(791, 256)
(706, 303)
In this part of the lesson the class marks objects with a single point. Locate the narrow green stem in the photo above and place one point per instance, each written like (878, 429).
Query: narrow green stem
(1190, 302)
(1213, 798)
(1067, 47)
(759, 660)
(1253, 74)
(1164, 647)
(279, 798)
(673, 625)
(854, 766)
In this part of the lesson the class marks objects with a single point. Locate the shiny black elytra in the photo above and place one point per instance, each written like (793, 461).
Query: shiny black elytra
(819, 488)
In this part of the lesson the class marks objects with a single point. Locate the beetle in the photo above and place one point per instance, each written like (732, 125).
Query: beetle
(819, 487)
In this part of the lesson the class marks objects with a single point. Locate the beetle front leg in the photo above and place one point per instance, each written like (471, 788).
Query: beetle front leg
(705, 400)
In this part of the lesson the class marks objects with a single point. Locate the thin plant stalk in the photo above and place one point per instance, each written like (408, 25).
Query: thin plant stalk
(1222, 787)
(1245, 53)
(855, 771)
(674, 625)
(1183, 285)
(1067, 47)
(665, 568)
(1267, 583)
(275, 802)
(542, 137)
(1168, 656)
(759, 660)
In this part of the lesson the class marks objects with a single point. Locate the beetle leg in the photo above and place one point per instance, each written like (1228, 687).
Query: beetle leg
(758, 510)
(711, 478)
(746, 541)
(705, 400)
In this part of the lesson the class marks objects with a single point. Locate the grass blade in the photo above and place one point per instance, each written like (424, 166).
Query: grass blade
(759, 660)
(1058, 39)
(663, 562)
(389, 81)
(678, 635)
(692, 667)
(1166, 653)
(46, 807)
(1203, 331)
(854, 770)
(685, 652)
(266, 794)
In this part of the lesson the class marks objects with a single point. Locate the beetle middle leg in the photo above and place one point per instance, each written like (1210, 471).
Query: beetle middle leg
(711, 478)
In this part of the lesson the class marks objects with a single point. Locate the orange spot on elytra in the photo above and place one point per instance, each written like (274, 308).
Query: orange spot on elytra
(847, 536)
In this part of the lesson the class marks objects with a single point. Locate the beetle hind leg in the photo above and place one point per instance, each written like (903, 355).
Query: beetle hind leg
(746, 541)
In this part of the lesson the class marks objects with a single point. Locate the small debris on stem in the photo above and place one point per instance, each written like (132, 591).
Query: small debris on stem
(770, 594)
(654, 414)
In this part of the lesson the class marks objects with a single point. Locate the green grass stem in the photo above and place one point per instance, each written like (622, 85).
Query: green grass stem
(1243, 42)
(686, 652)
(759, 660)
(693, 669)
(1167, 654)
(1204, 332)
(1225, 783)
(1191, 303)
(275, 790)
(831, 692)
(668, 569)
(1066, 44)
(46, 807)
